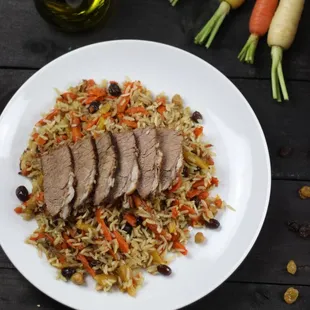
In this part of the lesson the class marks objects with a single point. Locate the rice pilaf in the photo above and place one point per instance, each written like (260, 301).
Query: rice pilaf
(114, 244)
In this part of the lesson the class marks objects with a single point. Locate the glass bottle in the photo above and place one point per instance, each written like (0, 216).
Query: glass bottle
(73, 15)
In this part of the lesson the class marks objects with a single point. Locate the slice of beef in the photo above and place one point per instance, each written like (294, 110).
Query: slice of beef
(170, 143)
(58, 181)
(106, 156)
(149, 160)
(127, 172)
(85, 168)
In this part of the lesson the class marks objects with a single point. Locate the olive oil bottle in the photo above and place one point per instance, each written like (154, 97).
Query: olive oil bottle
(73, 15)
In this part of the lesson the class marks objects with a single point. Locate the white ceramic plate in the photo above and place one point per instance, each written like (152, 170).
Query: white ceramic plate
(242, 164)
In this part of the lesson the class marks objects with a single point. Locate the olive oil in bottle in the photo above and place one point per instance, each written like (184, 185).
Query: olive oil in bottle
(73, 15)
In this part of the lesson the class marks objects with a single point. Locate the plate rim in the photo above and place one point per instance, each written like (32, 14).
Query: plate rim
(247, 105)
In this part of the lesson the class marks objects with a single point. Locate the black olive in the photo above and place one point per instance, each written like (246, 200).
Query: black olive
(94, 107)
(68, 272)
(213, 224)
(185, 172)
(196, 116)
(22, 193)
(127, 228)
(285, 151)
(114, 90)
(139, 221)
(293, 226)
(164, 270)
(94, 263)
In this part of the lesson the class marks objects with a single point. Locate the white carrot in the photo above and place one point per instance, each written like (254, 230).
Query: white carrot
(281, 35)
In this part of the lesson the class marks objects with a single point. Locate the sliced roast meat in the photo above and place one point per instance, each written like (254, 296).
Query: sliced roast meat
(170, 143)
(106, 157)
(149, 160)
(85, 167)
(58, 181)
(127, 172)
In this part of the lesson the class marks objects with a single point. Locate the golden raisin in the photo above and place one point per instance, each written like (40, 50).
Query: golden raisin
(291, 295)
(78, 278)
(304, 192)
(199, 238)
(291, 267)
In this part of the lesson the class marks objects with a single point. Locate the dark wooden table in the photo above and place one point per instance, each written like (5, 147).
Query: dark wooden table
(27, 43)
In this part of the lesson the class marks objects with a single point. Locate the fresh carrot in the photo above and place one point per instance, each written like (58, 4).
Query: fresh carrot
(123, 245)
(189, 209)
(125, 99)
(192, 193)
(161, 109)
(131, 124)
(199, 183)
(43, 236)
(177, 185)
(260, 21)
(178, 245)
(210, 30)
(39, 140)
(203, 195)
(175, 212)
(48, 117)
(76, 128)
(214, 181)
(105, 229)
(86, 265)
(67, 95)
(135, 110)
(19, 210)
(130, 219)
(281, 36)
(198, 131)
(218, 202)
(90, 83)
(92, 123)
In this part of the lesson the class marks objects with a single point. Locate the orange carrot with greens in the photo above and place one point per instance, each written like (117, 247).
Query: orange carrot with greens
(210, 30)
(260, 21)
(123, 245)
(104, 228)
(86, 265)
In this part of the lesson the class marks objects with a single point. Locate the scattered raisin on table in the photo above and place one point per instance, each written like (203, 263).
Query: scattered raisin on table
(213, 224)
(164, 270)
(304, 192)
(304, 231)
(291, 267)
(291, 295)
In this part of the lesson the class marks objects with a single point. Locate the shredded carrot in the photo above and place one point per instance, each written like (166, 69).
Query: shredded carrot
(49, 117)
(40, 197)
(90, 83)
(130, 219)
(189, 209)
(203, 195)
(38, 139)
(122, 106)
(131, 124)
(123, 245)
(106, 115)
(62, 259)
(215, 181)
(67, 95)
(76, 128)
(161, 100)
(137, 201)
(177, 185)
(175, 212)
(43, 235)
(114, 255)
(19, 210)
(178, 245)
(92, 123)
(199, 183)
(84, 118)
(78, 247)
(97, 92)
(218, 202)
(104, 228)
(161, 109)
(134, 110)
(198, 131)
(86, 265)
(192, 193)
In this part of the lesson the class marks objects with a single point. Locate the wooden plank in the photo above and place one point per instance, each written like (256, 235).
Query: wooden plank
(241, 296)
(279, 121)
(275, 246)
(153, 20)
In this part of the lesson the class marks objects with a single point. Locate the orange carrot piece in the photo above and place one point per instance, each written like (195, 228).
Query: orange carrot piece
(178, 245)
(198, 131)
(199, 183)
(86, 265)
(76, 128)
(214, 181)
(175, 212)
(137, 201)
(203, 195)
(192, 193)
(161, 100)
(131, 124)
(104, 228)
(92, 123)
(114, 255)
(122, 106)
(49, 117)
(161, 109)
(131, 219)
(43, 235)
(134, 110)
(97, 92)
(90, 83)
(123, 245)
(40, 197)
(67, 95)
(189, 209)
(177, 185)
(218, 202)
(19, 210)
(66, 238)
(62, 259)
